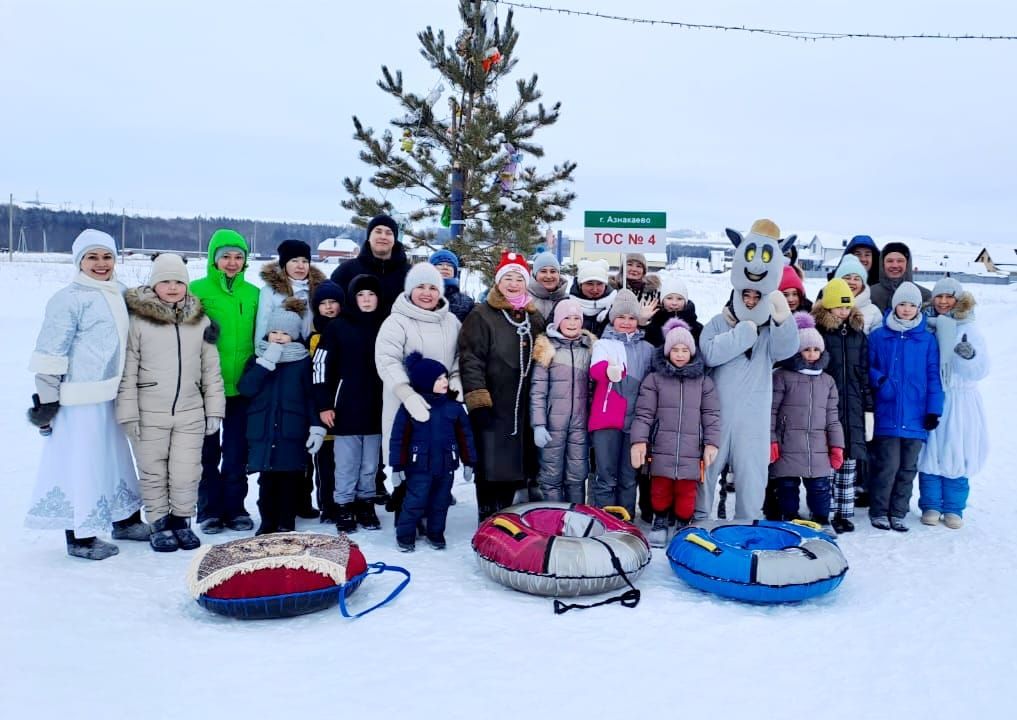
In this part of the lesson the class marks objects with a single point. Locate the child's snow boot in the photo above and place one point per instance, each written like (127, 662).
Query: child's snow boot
(953, 521)
(90, 548)
(186, 538)
(842, 525)
(406, 546)
(930, 517)
(658, 533)
(345, 519)
(163, 538)
(898, 524)
(214, 526)
(436, 541)
(880, 523)
(366, 517)
(238, 523)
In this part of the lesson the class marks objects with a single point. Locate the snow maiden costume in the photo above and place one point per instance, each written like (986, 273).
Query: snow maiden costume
(958, 447)
(740, 346)
(86, 476)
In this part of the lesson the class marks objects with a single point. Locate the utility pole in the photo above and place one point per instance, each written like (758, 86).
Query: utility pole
(45, 250)
(10, 229)
(199, 234)
(123, 234)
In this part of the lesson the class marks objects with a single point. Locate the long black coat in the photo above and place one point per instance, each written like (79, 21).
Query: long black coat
(391, 273)
(489, 366)
(848, 349)
(280, 415)
(346, 375)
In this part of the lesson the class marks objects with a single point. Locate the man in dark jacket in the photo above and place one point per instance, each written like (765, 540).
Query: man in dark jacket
(895, 267)
(383, 256)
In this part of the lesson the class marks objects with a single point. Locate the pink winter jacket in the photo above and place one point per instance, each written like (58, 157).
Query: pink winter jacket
(607, 411)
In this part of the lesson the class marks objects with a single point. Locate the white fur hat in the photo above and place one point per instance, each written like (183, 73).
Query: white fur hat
(589, 270)
(90, 239)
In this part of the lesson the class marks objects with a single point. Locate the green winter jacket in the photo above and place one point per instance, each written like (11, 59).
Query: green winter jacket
(232, 308)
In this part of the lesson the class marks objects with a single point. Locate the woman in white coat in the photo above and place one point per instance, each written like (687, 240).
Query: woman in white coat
(420, 322)
(86, 477)
(958, 447)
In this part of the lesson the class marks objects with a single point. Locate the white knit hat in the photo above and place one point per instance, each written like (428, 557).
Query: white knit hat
(89, 240)
(589, 270)
(673, 286)
(422, 274)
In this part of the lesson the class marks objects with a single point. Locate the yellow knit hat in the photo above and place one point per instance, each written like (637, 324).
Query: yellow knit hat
(837, 294)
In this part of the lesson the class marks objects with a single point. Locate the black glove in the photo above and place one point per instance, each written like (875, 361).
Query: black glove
(965, 349)
(482, 417)
(41, 414)
(394, 504)
(931, 422)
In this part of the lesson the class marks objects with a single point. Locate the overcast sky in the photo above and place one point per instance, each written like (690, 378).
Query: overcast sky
(243, 108)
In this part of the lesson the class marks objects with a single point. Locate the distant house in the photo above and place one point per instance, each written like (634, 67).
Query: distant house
(823, 251)
(983, 258)
(338, 248)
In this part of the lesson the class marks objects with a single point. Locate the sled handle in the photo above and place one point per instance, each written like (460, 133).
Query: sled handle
(808, 524)
(508, 526)
(373, 569)
(703, 543)
(619, 512)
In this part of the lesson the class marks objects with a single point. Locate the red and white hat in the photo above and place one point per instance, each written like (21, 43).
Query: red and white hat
(511, 262)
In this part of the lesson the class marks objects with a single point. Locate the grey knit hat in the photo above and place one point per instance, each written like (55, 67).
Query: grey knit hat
(947, 286)
(287, 321)
(543, 260)
(908, 292)
(625, 303)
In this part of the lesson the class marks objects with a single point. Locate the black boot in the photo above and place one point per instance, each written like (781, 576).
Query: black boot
(366, 517)
(90, 548)
(186, 538)
(163, 539)
(842, 524)
(345, 518)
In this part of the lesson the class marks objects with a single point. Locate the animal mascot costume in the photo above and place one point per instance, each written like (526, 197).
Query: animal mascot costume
(740, 346)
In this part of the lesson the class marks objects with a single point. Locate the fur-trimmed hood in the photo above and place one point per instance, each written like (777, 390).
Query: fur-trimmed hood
(295, 304)
(496, 300)
(143, 302)
(277, 279)
(693, 369)
(544, 346)
(828, 322)
(965, 307)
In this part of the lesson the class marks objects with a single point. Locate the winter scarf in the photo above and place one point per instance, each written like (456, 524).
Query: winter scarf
(292, 351)
(945, 328)
(897, 325)
(796, 363)
(598, 308)
(113, 293)
(520, 301)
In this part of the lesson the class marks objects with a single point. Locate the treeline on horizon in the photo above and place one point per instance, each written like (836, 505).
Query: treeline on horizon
(60, 227)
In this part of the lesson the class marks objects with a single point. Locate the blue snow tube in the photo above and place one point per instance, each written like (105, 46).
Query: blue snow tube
(763, 562)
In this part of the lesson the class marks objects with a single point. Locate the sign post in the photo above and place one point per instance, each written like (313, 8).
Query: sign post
(624, 232)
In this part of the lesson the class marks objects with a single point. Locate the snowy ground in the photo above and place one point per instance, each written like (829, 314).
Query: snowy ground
(921, 627)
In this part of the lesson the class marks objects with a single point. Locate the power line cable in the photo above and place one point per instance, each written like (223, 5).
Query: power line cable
(791, 34)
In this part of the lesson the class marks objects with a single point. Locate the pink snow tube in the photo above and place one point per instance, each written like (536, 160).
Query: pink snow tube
(560, 549)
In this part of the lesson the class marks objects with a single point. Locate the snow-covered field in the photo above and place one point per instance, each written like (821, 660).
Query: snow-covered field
(923, 625)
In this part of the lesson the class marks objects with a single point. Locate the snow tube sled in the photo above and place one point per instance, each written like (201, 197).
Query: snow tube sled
(561, 550)
(282, 575)
(762, 562)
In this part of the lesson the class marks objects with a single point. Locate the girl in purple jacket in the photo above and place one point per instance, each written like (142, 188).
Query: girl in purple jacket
(806, 437)
(677, 424)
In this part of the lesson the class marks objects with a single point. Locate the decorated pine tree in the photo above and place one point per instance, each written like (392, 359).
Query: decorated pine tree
(475, 125)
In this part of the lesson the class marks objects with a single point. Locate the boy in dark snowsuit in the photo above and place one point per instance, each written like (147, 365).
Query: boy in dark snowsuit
(348, 399)
(429, 453)
(282, 424)
(327, 303)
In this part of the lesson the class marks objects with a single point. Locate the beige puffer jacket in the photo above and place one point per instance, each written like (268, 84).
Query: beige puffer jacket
(172, 362)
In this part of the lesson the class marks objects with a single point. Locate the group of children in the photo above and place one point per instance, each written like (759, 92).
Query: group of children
(640, 402)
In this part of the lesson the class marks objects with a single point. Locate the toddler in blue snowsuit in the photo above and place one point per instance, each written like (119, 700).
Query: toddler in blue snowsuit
(428, 453)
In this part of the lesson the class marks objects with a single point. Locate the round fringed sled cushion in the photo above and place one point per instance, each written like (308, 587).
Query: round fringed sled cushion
(276, 575)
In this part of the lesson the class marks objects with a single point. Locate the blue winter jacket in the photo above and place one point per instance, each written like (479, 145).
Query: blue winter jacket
(904, 377)
(280, 415)
(435, 447)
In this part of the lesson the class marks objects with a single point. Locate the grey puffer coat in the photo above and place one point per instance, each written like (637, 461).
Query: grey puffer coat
(804, 422)
(560, 401)
(684, 405)
(545, 299)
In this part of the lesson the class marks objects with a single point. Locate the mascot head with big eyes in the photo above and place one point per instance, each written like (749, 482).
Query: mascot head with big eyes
(758, 264)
